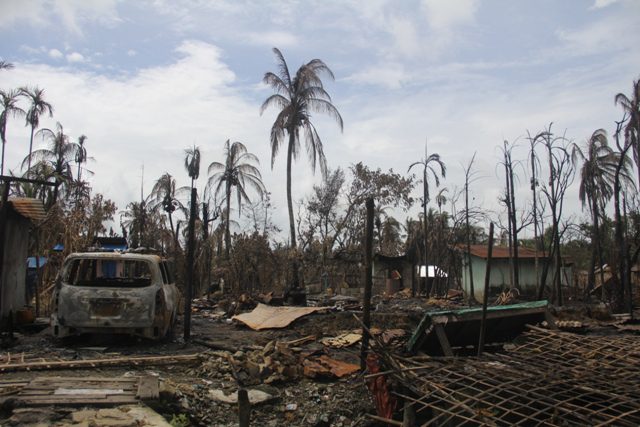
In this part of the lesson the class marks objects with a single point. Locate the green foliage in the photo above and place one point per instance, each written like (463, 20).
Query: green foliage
(179, 420)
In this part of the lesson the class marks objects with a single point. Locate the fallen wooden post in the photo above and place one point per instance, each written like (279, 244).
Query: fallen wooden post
(94, 363)
(244, 408)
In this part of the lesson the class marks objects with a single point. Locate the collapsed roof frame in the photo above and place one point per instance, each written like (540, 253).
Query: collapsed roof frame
(547, 378)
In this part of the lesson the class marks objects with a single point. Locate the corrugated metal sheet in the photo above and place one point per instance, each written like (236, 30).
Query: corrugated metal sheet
(28, 207)
(500, 251)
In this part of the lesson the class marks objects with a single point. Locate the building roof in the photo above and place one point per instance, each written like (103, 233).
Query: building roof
(499, 252)
(28, 208)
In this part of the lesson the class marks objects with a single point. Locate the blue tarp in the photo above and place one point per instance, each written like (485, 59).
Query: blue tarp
(31, 261)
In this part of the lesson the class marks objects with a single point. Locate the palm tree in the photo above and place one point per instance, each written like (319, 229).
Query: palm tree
(239, 172)
(429, 164)
(58, 154)
(9, 104)
(631, 107)
(597, 177)
(192, 163)
(38, 107)
(81, 155)
(4, 65)
(297, 97)
(164, 195)
(134, 220)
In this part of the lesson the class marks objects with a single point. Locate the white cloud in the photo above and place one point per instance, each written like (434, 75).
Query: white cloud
(445, 15)
(600, 4)
(406, 38)
(614, 33)
(149, 118)
(55, 54)
(75, 57)
(282, 39)
(386, 75)
(73, 14)
(132, 52)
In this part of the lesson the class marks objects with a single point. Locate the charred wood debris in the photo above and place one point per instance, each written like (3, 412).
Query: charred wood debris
(253, 361)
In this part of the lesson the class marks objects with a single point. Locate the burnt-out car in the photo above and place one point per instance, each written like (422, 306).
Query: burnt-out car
(108, 292)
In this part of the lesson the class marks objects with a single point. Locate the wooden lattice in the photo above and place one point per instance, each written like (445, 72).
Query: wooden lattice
(547, 378)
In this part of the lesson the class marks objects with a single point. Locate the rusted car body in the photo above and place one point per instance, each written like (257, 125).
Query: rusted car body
(107, 292)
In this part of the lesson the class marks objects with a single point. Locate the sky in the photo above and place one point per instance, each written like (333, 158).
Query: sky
(144, 80)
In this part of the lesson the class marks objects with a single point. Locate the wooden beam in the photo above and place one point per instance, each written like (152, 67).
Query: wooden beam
(93, 363)
(444, 341)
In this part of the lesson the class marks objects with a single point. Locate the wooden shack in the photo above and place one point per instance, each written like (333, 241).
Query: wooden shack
(17, 219)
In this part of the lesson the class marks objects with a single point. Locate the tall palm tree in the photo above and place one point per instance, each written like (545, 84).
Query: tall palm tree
(9, 104)
(38, 108)
(433, 164)
(297, 97)
(239, 172)
(597, 177)
(4, 65)
(631, 106)
(59, 153)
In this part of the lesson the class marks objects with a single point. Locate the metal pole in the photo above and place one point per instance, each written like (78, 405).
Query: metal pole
(190, 256)
(368, 283)
(485, 297)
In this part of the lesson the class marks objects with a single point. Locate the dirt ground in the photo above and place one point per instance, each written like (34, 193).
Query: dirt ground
(228, 352)
(302, 379)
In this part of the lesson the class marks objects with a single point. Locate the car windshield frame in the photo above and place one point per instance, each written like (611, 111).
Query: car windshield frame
(108, 272)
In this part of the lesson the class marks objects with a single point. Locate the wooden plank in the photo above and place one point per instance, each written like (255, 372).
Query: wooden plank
(88, 379)
(442, 338)
(93, 363)
(148, 388)
(113, 400)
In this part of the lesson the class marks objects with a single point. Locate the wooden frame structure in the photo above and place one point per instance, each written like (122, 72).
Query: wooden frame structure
(546, 378)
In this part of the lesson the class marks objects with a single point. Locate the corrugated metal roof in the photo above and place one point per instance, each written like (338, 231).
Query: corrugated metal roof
(500, 251)
(28, 207)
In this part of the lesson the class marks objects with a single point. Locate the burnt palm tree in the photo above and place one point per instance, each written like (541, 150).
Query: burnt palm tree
(192, 163)
(297, 97)
(597, 177)
(59, 153)
(237, 172)
(434, 166)
(631, 107)
(4, 65)
(39, 107)
(81, 155)
(9, 105)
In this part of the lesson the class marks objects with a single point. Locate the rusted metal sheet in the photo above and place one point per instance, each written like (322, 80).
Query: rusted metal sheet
(268, 317)
(324, 366)
(32, 209)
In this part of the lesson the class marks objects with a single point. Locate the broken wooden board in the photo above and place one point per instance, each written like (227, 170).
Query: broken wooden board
(342, 340)
(82, 391)
(268, 317)
(462, 327)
